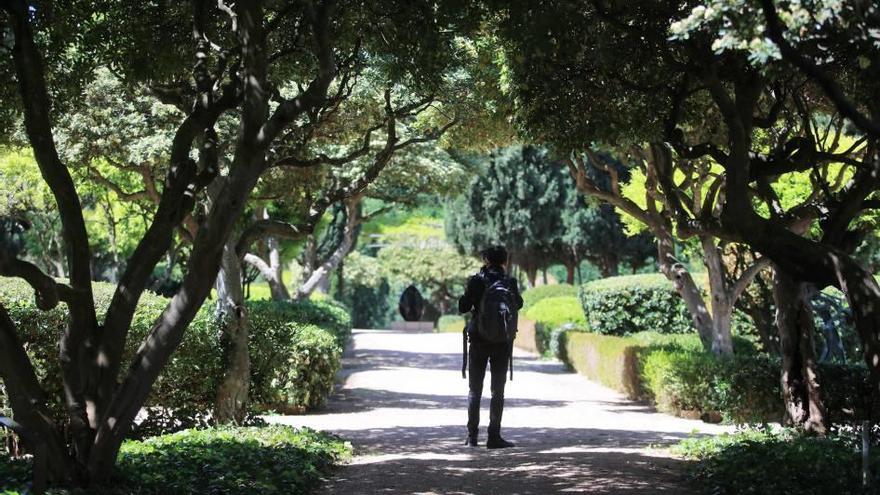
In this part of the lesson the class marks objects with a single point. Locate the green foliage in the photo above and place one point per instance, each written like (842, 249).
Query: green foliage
(743, 388)
(633, 303)
(676, 375)
(450, 323)
(764, 461)
(296, 368)
(436, 268)
(370, 306)
(270, 460)
(527, 202)
(673, 372)
(535, 294)
(551, 315)
(556, 311)
(295, 352)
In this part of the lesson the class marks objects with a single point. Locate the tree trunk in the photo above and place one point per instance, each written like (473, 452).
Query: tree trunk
(722, 306)
(569, 273)
(276, 282)
(532, 276)
(758, 305)
(321, 273)
(686, 287)
(232, 394)
(800, 382)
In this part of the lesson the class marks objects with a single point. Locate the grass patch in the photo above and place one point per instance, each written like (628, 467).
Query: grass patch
(266, 460)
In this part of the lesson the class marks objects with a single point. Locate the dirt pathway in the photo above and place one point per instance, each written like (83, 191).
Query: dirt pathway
(402, 404)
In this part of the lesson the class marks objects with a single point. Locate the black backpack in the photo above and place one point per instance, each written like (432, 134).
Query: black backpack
(497, 318)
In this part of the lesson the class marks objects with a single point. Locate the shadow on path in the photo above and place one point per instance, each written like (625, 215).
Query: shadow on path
(348, 400)
(402, 404)
(545, 461)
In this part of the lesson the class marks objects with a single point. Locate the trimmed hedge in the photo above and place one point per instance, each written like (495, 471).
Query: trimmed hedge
(266, 460)
(552, 315)
(295, 351)
(535, 294)
(634, 303)
(677, 376)
(450, 323)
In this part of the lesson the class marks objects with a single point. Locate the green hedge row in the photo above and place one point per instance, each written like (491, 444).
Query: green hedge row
(267, 460)
(535, 294)
(634, 303)
(295, 348)
(552, 315)
(677, 376)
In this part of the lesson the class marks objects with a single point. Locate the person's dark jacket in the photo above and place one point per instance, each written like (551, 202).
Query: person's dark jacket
(477, 284)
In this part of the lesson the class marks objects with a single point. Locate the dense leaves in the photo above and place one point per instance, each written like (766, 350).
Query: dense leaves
(634, 303)
(295, 354)
(271, 460)
(765, 461)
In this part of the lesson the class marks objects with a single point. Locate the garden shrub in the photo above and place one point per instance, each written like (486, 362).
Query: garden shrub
(676, 375)
(611, 361)
(763, 461)
(185, 391)
(293, 366)
(633, 303)
(535, 294)
(267, 460)
(549, 315)
(450, 323)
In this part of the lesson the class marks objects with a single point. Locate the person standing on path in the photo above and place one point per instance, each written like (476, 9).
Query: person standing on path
(496, 352)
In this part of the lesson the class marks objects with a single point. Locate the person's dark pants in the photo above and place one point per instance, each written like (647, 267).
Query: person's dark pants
(496, 355)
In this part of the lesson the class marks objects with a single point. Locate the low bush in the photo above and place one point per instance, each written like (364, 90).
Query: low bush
(293, 366)
(295, 352)
(535, 294)
(762, 461)
(550, 315)
(677, 376)
(634, 303)
(268, 460)
(450, 323)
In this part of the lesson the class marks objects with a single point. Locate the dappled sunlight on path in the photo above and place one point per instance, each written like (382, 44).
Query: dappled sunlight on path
(402, 404)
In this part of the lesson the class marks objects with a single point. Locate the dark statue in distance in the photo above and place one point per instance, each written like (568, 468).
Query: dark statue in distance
(412, 304)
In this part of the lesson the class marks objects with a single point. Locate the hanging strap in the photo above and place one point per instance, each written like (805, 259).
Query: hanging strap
(464, 352)
(511, 361)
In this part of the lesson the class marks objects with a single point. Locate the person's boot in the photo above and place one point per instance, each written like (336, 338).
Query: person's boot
(496, 442)
(471, 441)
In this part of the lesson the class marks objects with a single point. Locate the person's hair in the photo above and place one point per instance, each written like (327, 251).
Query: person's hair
(495, 255)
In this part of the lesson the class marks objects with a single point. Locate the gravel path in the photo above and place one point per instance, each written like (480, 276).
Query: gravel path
(402, 404)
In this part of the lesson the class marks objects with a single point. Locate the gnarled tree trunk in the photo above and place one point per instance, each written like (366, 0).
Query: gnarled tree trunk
(232, 394)
(800, 379)
(321, 273)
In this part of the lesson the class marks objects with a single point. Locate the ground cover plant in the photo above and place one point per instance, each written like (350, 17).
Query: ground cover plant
(270, 460)
(765, 461)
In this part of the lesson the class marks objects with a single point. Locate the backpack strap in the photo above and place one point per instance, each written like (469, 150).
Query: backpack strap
(510, 359)
(464, 351)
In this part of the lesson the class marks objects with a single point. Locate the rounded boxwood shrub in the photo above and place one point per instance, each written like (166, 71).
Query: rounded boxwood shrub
(634, 303)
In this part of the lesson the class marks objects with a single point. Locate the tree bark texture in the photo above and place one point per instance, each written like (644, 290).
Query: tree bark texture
(232, 394)
(322, 272)
(800, 380)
